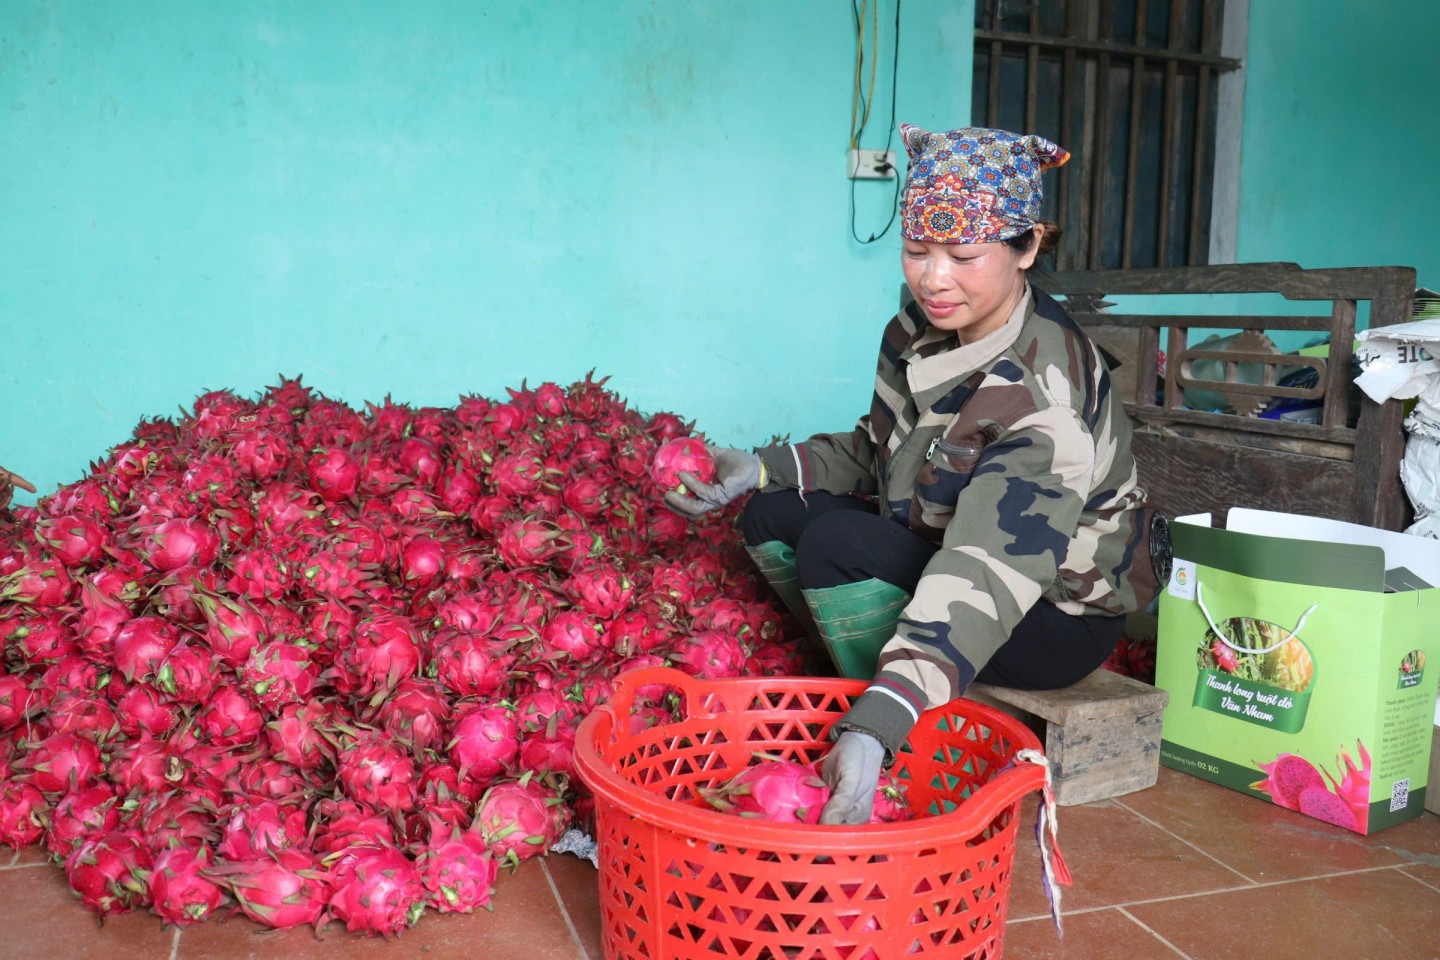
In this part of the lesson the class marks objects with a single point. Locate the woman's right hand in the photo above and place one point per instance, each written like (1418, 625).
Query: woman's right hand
(737, 472)
(8, 482)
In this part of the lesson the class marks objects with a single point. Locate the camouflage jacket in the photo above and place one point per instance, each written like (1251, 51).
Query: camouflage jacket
(1012, 454)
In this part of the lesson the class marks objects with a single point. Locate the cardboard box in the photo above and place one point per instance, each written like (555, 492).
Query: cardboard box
(1302, 662)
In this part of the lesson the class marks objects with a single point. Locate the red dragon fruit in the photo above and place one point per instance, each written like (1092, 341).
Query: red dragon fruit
(711, 654)
(234, 627)
(82, 713)
(141, 645)
(484, 741)
(528, 542)
(295, 735)
(41, 582)
(891, 805)
(418, 712)
(63, 762)
(279, 673)
(188, 674)
(334, 474)
(180, 891)
(180, 543)
(21, 809)
(682, 455)
(228, 719)
(785, 791)
(184, 818)
(468, 665)
(343, 824)
(107, 872)
(76, 540)
(16, 701)
(459, 871)
(386, 649)
(143, 765)
(284, 890)
(79, 815)
(375, 771)
(254, 827)
(378, 891)
(140, 711)
(520, 819)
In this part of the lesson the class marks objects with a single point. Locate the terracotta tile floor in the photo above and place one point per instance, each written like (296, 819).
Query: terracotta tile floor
(1185, 869)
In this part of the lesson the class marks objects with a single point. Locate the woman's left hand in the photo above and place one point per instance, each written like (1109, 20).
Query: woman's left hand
(852, 769)
(737, 472)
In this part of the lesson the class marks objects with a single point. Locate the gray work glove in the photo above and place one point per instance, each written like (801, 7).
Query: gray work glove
(737, 472)
(852, 769)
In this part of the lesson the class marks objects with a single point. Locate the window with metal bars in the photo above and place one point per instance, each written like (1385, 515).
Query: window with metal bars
(1130, 88)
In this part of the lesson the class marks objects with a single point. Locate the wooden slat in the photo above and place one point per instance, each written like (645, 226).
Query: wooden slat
(1270, 362)
(1208, 44)
(1286, 279)
(1163, 416)
(1263, 441)
(1147, 358)
(1337, 382)
(1220, 321)
(1377, 496)
(1173, 400)
(1067, 83)
(1032, 71)
(1101, 146)
(1109, 48)
(993, 115)
(1170, 132)
(1132, 148)
(1183, 475)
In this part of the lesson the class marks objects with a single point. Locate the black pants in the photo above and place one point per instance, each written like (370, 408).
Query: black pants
(840, 539)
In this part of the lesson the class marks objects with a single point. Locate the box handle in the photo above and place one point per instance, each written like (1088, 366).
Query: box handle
(1294, 634)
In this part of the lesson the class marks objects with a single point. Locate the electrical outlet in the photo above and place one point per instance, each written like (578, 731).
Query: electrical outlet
(870, 164)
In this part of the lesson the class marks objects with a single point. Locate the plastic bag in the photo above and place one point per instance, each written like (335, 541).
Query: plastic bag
(1400, 362)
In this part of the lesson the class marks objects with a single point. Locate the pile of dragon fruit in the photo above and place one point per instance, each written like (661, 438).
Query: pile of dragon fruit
(311, 663)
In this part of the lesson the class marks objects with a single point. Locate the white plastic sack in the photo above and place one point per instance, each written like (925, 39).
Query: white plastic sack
(1400, 362)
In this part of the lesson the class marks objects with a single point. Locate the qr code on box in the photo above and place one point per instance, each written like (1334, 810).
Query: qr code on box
(1399, 795)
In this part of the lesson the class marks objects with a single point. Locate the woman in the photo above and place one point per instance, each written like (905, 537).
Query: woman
(983, 521)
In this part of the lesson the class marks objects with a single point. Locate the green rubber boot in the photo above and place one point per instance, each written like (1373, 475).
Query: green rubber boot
(776, 563)
(855, 620)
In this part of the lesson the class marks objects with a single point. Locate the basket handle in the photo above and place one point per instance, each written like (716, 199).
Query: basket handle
(1009, 785)
(628, 683)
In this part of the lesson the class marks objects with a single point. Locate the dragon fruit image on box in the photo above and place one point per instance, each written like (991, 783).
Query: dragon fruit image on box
(1296, 784)
(1412, 670)
(1255, 671)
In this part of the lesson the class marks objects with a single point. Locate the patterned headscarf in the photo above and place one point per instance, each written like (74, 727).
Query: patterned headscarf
(973, 185)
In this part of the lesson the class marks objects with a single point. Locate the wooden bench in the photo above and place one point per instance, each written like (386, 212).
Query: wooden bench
(1102, 735)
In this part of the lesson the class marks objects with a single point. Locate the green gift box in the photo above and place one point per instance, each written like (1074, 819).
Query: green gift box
(1294, 650)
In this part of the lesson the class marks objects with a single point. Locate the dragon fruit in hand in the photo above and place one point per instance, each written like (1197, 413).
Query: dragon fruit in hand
(682, 455)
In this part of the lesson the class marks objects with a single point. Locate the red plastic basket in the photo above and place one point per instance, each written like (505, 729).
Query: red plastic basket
(680, 880)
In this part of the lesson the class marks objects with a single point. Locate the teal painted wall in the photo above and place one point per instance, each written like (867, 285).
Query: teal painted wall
(433, 198)
(1341, 144)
